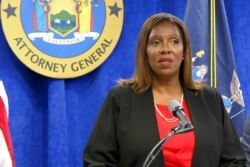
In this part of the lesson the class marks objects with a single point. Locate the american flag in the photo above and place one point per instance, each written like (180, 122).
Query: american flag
(6, 148)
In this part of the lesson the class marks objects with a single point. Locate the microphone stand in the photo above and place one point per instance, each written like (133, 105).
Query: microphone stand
(157, 148)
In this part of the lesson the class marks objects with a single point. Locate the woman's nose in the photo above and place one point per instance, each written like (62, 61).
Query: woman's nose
(164, 50)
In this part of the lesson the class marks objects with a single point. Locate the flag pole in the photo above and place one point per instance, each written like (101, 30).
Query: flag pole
(213, 76)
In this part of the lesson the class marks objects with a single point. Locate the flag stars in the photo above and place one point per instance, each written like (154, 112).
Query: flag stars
(114, 10)
(10, 11)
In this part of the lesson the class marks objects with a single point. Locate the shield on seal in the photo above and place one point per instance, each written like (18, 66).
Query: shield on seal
(62, 16)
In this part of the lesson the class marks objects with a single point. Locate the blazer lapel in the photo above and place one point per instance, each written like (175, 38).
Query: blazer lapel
(200, 120)
(146, 107)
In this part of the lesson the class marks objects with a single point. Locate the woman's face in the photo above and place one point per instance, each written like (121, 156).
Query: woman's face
(165, 50)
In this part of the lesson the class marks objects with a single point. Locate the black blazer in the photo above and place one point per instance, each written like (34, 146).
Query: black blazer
(126, 130)
(246, 139)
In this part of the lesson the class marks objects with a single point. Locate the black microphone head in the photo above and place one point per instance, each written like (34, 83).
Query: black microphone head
(173, 105)
(177, 110)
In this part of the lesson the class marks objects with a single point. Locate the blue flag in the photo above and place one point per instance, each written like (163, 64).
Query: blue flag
(213, 56)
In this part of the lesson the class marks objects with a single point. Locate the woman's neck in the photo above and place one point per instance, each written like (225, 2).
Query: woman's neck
(164, 92)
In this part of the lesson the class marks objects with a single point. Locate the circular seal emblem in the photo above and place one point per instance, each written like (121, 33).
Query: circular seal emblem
(62, 39)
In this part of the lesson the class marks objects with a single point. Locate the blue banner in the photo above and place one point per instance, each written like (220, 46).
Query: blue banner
(51, 119)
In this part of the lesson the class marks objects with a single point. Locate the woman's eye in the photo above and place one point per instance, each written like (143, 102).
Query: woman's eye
(155, 43)
(174, 41)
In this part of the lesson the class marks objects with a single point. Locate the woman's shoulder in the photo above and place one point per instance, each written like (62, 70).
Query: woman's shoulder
(209, 90)
(206, 92)
(121, 90)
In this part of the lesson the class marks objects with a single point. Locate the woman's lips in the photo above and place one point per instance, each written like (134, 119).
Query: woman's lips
(166, 62)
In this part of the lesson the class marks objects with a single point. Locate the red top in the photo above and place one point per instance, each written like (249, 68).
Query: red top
(178, 150)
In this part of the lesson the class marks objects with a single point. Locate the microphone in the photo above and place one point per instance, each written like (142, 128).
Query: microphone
(175, 107)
